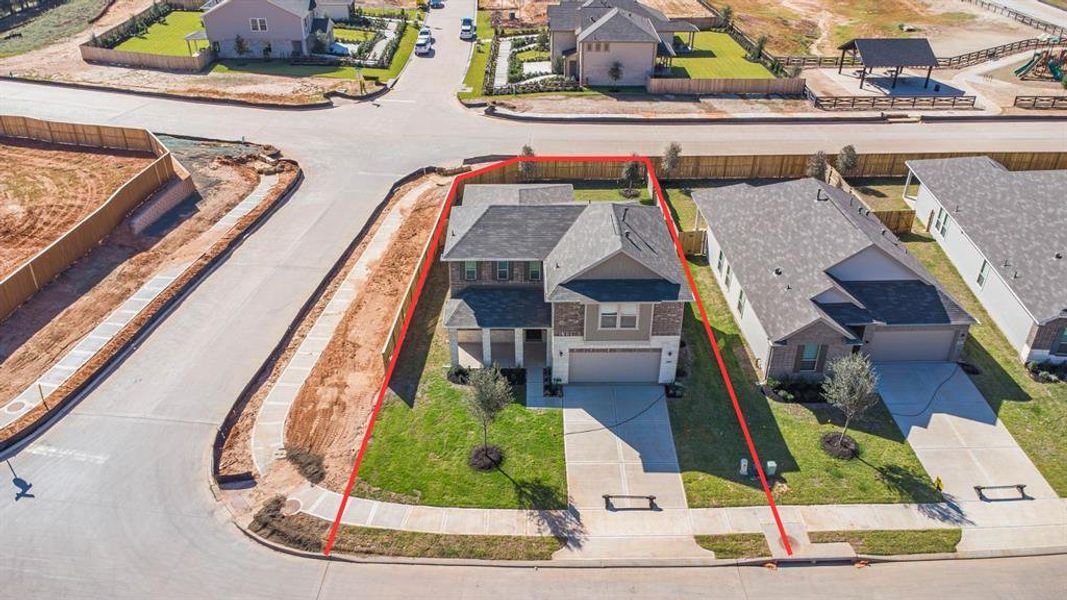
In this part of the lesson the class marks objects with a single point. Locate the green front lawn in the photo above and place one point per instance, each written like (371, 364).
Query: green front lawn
(890, 542)
(475, 77)
(881, 193)
(716, 55)
(167, 37)
(710, 444)
(424, 433)
(1035, 413)
(485, 25)
(535, 55)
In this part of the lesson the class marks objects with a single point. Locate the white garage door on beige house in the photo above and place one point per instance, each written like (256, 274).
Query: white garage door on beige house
(614, 366)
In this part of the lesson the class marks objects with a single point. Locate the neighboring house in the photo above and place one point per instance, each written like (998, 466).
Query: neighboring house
(284, 28)
(592, 35)
(1006, 234)
(594, 291)
(810, 276)
(337, 10)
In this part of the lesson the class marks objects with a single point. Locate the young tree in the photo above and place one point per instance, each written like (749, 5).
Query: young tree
(727, 14)
(615, 72)
(631, 173)
(671, 155)
(527, 168)
(846, 160)
(817, 166)
(542, 41)
(757, 50)
(240, 45)
(850, 387)
(490, 396)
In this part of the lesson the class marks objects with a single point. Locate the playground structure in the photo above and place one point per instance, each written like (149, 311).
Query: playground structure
(1044, 65)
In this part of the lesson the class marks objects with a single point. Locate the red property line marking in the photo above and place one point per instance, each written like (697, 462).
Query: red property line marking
(438, 229)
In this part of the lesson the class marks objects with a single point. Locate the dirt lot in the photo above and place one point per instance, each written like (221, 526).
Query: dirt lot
(329, 416)
(819, 26)
(61, 61)
(41, 331)
(46, 189)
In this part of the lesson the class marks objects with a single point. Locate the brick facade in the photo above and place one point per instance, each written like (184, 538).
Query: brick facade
(783, 359)
(568, 319)
(667, 318)
(1044, 335)
(487, 276)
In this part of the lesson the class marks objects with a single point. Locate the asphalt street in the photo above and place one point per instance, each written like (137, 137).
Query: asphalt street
(121, 506)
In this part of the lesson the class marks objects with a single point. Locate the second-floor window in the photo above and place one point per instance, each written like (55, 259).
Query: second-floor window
(535, 270)
(258, 24)
(470, 270)
(618, 316)
(503, 270)
(728, 275)
(983, 273)
(741, 304)
(941, 224)
(722, 260)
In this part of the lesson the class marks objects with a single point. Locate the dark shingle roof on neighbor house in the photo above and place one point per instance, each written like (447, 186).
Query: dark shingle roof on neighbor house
(570, 239)
(781, 238)
(1017, 219)
(581, 15)
(900, 52)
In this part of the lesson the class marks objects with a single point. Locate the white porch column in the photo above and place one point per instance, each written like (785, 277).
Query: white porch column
(520, 342)
(487, 348)
(548, 348)
(453, 346)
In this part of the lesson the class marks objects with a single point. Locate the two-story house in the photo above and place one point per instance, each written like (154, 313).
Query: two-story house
(594, 291)
(811, 276)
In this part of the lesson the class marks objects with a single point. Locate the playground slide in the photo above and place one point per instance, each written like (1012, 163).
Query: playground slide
(1023, 70)
(1056, 70)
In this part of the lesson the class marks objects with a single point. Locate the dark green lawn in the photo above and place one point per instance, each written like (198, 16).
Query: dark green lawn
(893, 542)
(1034, 413)
(735, 545)
(424, 434)
(710, 444)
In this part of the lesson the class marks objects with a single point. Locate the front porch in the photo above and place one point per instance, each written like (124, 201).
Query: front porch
(506, 348)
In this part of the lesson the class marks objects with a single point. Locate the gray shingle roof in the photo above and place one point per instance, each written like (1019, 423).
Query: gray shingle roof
(907, 302)
(512, 307)
(780, 239)
(1016, 218)
(901, 52)
(620, 26)
(617, 290)
(579, 15)
(507, 232)
(297, 7)
(528, 193)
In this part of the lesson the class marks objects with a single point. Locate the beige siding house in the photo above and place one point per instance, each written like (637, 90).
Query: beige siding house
(810, 276)
(593, 292)
(268, 28)
(592, 36)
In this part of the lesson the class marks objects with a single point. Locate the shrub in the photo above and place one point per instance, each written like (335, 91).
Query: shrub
(846, 160)
(459, 375)
(817, 166)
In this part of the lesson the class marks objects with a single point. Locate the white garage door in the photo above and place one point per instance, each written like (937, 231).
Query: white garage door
(920, 345)
(614, 367)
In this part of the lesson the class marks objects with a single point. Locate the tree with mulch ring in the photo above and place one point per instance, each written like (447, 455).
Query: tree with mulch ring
(490, 395)
(850, 388)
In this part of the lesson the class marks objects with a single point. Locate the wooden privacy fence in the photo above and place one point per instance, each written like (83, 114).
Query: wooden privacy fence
(835, 103)
(692, 241)
(1041, 102)
(682, 86)
(121, 58)
(429, 253)
(36, 272)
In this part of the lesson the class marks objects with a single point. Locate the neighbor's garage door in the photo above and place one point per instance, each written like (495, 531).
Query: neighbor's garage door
(921, 345)
(614, 367)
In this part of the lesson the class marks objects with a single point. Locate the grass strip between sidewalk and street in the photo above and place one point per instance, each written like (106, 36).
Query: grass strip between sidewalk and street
(735, 545)
(893, 542)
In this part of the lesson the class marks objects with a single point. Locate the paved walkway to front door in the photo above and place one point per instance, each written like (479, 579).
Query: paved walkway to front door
(617, 440)
(957, 437)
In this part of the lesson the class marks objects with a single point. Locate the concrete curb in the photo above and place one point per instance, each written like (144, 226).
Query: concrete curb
(494, 112)
(61, 408)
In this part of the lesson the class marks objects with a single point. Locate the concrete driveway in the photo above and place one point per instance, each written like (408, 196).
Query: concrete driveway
(617, 440)
(957, 437)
